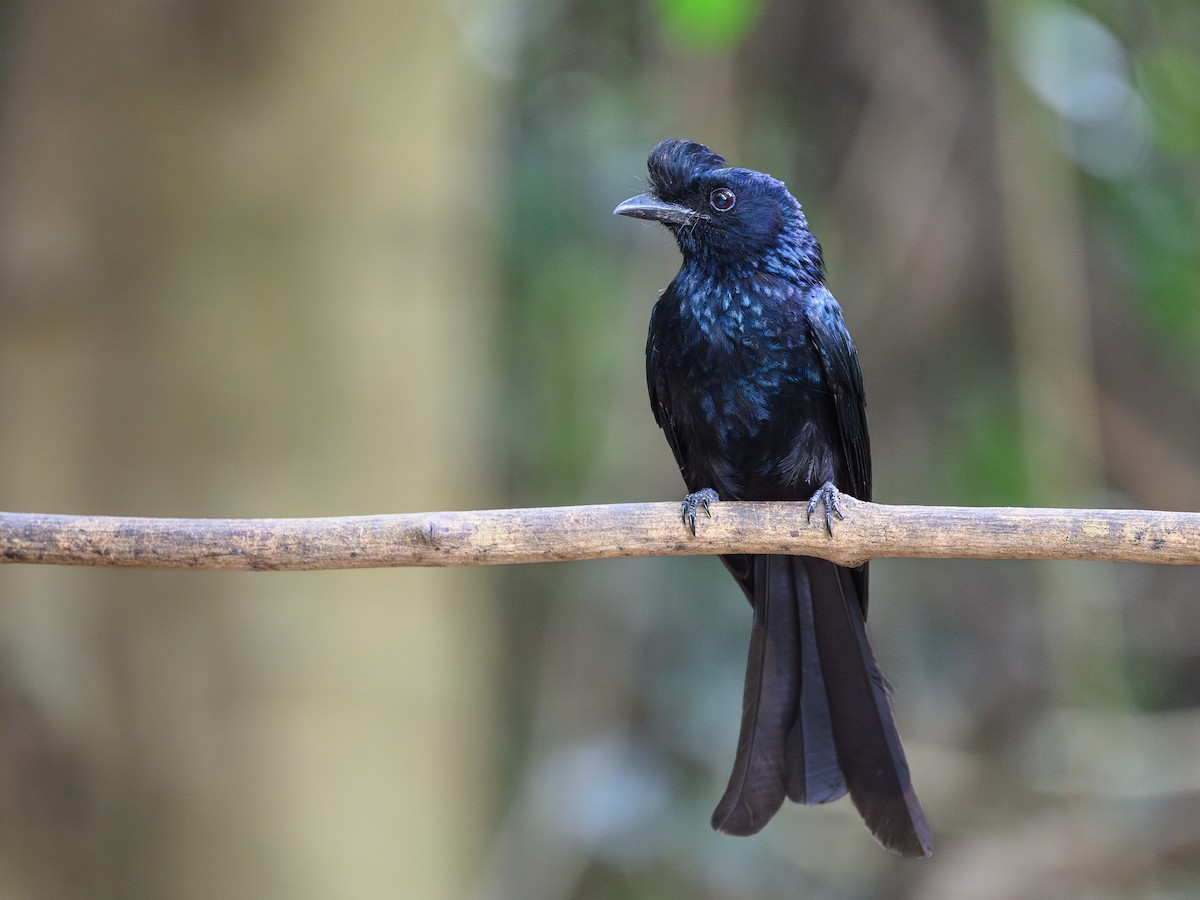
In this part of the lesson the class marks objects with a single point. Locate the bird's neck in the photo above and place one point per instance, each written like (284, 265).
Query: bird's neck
(799, 267)
(723, 304)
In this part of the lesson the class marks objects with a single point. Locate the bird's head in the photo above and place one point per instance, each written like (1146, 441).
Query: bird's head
(736, 218)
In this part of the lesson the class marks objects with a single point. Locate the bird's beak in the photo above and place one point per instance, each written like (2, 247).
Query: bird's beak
(647, 206)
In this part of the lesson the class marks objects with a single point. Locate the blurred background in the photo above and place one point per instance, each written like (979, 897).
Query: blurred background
(271, 259)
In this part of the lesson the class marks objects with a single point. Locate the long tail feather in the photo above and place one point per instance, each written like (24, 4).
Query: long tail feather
(757, 786)
(864, 732)
(813, 772)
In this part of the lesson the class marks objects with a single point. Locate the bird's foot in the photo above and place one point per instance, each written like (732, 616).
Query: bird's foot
(694, 501)
(828, 495)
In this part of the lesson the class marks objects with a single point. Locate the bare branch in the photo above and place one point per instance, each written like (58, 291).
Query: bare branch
(488, 537)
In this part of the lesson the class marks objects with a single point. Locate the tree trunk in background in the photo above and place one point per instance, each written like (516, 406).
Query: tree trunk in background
(238, 277)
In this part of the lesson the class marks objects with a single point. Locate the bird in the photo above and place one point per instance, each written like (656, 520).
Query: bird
(756, 384)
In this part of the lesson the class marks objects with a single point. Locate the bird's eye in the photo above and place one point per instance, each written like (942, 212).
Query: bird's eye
(722, 199)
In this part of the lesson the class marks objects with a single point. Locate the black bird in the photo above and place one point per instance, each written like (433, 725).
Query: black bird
(756, 384)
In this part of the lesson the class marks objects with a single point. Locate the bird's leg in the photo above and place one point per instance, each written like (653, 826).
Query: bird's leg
(827, 494)
(694, 501)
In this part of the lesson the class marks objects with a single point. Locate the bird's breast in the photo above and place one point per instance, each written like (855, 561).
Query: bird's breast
(734, 368)
(725, 316)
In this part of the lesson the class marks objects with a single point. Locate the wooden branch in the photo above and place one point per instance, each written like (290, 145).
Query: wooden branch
(488, 537)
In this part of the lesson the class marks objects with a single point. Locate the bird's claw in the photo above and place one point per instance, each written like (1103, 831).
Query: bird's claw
(828, 495)
(694, 501)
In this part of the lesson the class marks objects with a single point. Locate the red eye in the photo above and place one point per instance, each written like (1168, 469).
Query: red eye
(722, 199)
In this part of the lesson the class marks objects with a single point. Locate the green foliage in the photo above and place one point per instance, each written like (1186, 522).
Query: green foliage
(1162, 236)
(985, 462)
(709, 25)
(1170, 82)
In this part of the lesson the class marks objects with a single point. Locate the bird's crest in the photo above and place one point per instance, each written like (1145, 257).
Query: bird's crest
(673, 164)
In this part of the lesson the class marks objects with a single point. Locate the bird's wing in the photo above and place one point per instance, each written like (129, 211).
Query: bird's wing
(839, 360)
(656, 382)
(844, 379)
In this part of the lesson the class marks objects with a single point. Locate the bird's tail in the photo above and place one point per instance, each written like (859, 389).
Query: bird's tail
(816, 720)
(758, 784)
